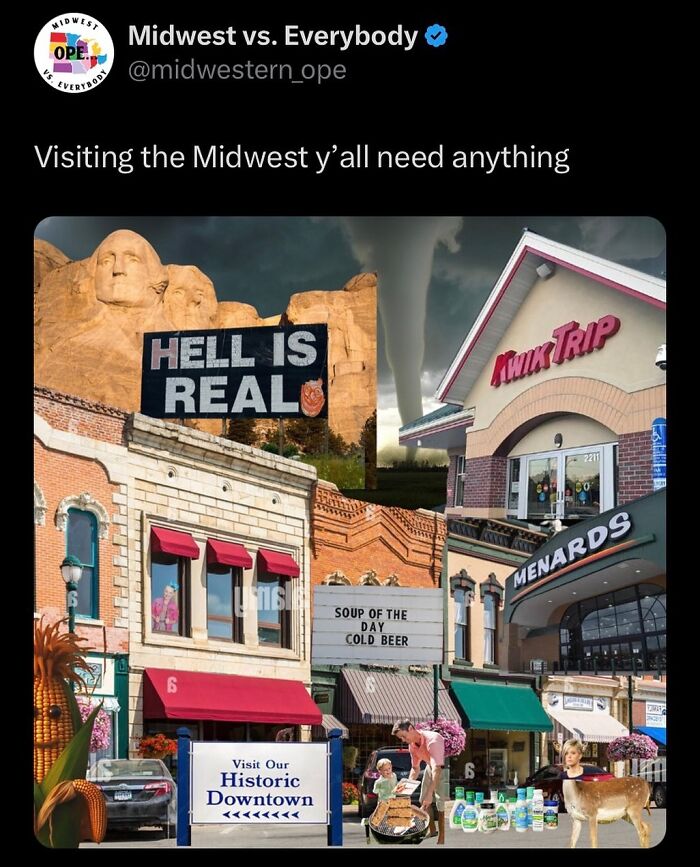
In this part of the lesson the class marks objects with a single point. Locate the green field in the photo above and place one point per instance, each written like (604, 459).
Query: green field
(345, 472)
(406, 488)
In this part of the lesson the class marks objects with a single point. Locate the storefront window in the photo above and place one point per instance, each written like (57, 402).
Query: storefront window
(169, 581)
(614, 629)
(490, 624)
(513, 494)
(274, 611)
(81, 542)
(459, 480)
(224, 602)
(462, 644)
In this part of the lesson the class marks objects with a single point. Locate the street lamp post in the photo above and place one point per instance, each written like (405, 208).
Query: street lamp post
(71, 571)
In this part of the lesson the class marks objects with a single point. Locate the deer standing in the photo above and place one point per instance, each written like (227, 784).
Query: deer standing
(606, 801)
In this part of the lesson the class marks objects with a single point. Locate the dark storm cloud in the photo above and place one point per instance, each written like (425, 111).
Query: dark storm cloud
(263, 260)
(258, 260)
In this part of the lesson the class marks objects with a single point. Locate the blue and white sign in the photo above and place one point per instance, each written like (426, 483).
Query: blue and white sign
(656, 714)
(259, 783)
(658, 453)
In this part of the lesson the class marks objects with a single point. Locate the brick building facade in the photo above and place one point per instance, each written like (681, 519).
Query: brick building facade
(354, 537)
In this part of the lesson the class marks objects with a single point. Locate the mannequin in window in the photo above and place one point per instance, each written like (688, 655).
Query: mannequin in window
(166, 614)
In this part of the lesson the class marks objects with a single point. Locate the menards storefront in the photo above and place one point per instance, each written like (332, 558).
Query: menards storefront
(591, 607)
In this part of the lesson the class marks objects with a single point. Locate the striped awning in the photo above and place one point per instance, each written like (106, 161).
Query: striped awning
(382, 698)
(587, 726)
(329, 722)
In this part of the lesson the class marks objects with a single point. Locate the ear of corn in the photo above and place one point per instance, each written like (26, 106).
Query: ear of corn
(95, 810)
(63, 800)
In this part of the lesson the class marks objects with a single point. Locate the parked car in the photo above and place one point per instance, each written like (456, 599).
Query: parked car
(654, 772)
(138, 792)
(549, 780)
(401, 764)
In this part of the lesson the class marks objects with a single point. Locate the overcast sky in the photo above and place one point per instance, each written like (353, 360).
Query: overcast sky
(434, 272)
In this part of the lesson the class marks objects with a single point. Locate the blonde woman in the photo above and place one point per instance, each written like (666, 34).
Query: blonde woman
(571, 755)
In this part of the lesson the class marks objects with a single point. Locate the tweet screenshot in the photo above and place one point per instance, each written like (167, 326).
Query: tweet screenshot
(349, 433)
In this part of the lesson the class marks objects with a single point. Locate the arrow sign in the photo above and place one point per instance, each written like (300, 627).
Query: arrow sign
(296, 815)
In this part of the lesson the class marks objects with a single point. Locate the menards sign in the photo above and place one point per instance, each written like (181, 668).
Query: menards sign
(570, 340)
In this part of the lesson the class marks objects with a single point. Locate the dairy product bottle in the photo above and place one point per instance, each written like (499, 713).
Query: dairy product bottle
(538, 811)
(458, 808)
(529, 796)
(511, 810)
(521, 812)
(502, 817)
(487, 818)
(470, 816)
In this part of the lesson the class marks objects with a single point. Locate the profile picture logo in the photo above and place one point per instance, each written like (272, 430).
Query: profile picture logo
(73, 52)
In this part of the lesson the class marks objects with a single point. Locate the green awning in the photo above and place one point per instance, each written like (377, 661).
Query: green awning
(511, 707)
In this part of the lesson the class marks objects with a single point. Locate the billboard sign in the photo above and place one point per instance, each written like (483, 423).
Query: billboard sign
(268, 372)
(401, 625)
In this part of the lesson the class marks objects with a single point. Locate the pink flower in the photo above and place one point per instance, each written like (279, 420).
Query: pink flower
(101, 727)
(453, 733)
(632, 747)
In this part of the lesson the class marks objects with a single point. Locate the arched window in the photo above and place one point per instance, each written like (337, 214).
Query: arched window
(611, 630)
(82, 542)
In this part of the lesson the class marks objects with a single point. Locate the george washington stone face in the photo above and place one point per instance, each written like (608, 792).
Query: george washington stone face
(128, 272)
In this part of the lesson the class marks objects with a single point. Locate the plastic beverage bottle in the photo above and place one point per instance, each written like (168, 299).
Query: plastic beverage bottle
(502, 817)
(521, 812)
(479, 801)
(511, 810)
(530, 795)
(538, 811)
(470, 816)
(458, 808)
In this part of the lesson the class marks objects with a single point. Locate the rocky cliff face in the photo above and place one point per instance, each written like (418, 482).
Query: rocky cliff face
(90, 317)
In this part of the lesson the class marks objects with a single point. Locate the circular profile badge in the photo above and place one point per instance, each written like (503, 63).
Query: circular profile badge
(74, 52)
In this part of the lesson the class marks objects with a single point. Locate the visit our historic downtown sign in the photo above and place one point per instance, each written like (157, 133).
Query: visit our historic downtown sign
(259, 783)
(268, 372)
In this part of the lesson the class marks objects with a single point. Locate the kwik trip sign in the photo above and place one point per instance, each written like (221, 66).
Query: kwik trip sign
(270, 372)
(579, 548)
(570, 340)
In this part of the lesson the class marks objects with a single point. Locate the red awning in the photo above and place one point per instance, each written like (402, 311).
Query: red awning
(228, 554)
(193, 695)
(174, 542)
(277, 563)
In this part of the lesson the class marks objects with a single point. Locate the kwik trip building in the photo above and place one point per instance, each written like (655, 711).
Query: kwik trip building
(554, 421)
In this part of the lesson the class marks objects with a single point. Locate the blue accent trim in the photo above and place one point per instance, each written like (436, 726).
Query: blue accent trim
(335, 786)
(435, 415)
(655, 733)
(184, 830)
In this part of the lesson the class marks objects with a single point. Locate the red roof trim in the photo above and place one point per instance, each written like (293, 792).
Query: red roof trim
(661, 305)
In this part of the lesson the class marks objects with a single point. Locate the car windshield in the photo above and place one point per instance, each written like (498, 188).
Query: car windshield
(110, 769)
(400, 761)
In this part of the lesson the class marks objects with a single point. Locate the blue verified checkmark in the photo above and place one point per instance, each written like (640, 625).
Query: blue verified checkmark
(436, 35)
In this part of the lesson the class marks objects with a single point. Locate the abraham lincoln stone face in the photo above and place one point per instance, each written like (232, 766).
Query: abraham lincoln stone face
(128, 272)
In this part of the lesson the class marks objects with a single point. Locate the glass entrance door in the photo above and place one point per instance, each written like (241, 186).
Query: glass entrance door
(582, 484)
(572, 483)
(542, 487)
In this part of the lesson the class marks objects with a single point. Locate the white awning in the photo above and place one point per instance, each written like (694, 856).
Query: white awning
(587, 726)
